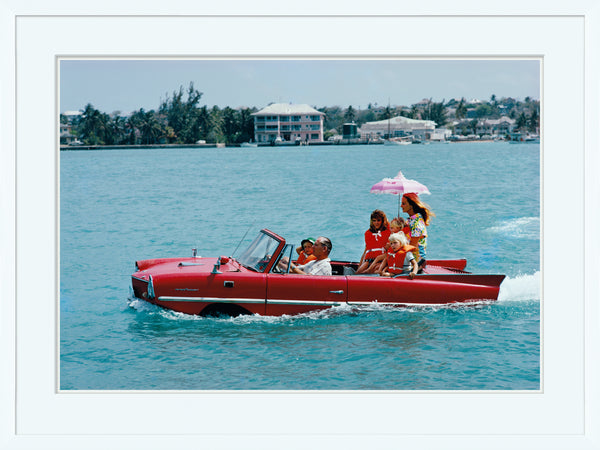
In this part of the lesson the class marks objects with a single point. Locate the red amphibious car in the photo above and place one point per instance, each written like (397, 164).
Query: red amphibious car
(259, 282)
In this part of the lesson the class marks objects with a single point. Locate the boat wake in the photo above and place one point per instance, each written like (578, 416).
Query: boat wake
(520, 288)
(141, 305)
(519, 228)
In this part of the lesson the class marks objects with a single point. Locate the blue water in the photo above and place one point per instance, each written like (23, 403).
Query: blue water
(120, 206)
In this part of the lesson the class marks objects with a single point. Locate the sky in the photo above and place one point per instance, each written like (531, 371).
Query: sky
(126, 85)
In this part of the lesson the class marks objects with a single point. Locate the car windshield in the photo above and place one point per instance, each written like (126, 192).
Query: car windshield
(259, 252)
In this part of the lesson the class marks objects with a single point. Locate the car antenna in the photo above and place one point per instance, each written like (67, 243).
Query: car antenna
(242, 240)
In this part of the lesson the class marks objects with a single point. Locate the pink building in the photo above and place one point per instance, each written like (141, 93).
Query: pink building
(287, 122)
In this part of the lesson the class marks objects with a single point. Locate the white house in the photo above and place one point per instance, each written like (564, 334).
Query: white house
(494, 127)
(397, 127)
(441, 134)
(288, 122)
(502, 126)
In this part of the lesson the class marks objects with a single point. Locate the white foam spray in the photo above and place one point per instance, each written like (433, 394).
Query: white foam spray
(521, 288)
(519, 228)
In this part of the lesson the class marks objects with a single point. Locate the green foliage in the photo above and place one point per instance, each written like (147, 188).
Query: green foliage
(484, 110)
(334, 118)
(93, 126)
(522, 121)
(534, 121)
(349, 115)
(216, 125)
(182, 115)
(435, 112)
(461, 109)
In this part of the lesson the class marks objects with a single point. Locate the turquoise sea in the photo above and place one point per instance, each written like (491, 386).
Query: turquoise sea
(118, 206)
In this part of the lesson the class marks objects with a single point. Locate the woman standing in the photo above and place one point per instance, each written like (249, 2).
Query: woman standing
(419, 215)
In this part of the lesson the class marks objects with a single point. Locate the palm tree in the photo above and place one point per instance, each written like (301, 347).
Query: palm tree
(246, 125)
(93, 126)
(473, 125)
(387, 112)
(534, 121)
(350, 114)
(437, 113)
(522, 121)
(230, 125)
(216, 125)
(150, 128)
(461, 109)
(117, 130)
(203, 121)
(414, 112)
(181, 114)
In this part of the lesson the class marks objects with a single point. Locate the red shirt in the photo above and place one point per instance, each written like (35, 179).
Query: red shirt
(375, 243)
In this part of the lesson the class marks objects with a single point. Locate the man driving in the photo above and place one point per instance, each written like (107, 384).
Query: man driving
(321, 265)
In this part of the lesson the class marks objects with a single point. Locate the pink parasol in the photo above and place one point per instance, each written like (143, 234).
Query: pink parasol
(399, 185)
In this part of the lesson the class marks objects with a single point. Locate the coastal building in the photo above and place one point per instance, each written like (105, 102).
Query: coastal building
(71, 115)
(397, 127)
(502, 126)
(349, 131)
(66, 134)
(288, 122)
(441, 134)
(492, 127)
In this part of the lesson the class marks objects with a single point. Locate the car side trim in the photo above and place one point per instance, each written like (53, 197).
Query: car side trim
(210, 299)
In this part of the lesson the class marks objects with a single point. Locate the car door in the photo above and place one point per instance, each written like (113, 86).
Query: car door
(293, 293)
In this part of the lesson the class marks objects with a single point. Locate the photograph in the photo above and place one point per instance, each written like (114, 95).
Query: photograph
(268, 226)
(300, 224)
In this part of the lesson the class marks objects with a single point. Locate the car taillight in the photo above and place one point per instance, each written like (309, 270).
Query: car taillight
(150, 288)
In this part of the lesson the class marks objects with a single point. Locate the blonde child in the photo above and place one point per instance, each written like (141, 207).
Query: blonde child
(397, 224)
(399, 257)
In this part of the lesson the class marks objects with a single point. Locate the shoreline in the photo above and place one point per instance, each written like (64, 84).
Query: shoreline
(291, 144)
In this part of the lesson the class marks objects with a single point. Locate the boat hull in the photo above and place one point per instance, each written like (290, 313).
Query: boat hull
(199, 292)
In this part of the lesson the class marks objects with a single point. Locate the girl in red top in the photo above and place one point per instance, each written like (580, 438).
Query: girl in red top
(375, 239)
(398, 224)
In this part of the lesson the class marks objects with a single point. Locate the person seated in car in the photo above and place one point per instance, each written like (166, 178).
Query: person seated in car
(400, 259)
(375, 238)
(397, 225)
(305, 251)
(319, 266)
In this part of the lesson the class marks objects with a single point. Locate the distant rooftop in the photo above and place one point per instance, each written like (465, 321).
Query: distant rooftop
(399, 120)
(287, 108)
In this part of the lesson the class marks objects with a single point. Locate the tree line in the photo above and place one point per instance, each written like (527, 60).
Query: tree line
(181, 120)
(178, 120)
(526, 114)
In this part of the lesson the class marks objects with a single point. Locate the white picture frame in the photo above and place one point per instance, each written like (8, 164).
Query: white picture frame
(563, 414)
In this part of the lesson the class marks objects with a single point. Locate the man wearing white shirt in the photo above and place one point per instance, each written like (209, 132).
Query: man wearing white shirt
(321, 265)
